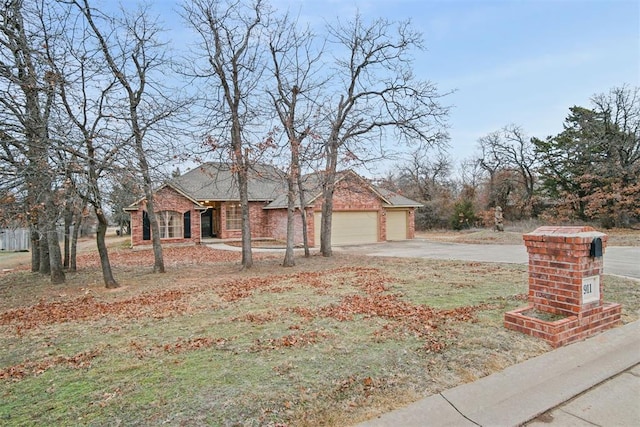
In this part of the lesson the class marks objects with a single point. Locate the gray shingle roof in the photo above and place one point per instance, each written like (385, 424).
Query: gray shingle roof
(395, 199)
(313, 189)
(216, 181)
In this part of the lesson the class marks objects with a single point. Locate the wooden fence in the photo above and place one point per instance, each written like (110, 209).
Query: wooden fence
(15, 240)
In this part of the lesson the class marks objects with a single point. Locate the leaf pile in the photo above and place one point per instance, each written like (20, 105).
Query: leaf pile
(31, 368)
(292, 340)
(243, 288)
(158, 304)
(182, 345)
(178, 255)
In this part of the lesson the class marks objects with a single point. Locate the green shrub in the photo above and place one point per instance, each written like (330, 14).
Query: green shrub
(463, 215)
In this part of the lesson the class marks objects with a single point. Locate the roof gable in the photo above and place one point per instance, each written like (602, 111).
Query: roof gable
(313, 190)
(136, 205)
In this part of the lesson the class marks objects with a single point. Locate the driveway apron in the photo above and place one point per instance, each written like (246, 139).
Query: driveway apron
(619, 260)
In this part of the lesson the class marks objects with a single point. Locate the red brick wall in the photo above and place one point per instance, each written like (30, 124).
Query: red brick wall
(278, 225)
(352, 195)
(411, 234)
(559, 260)
(258, 218)
(166, 199)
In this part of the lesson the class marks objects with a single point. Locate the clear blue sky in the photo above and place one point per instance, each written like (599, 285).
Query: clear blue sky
(521, 62)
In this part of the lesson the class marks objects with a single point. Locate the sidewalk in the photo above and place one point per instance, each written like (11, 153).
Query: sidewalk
(524, 391)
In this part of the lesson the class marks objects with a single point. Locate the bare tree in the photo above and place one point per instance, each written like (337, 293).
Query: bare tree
(470, 173)
(28, 96)
(295, 64)
(229, 58)
(491, 161)
(86, 105)
(136, 58)
(509, 153)
(424, 173)
(619, 111)
(377, 98)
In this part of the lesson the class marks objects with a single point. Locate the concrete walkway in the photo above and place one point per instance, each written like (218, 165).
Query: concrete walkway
(604, 371)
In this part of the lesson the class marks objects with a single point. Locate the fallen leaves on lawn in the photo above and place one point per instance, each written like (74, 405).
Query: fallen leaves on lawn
(257, 318)
(28, 367)
(243, 288)
(404, 317)
(157, 304)
(181, 345)
(420, 320)
(178, 255)
(293, 340)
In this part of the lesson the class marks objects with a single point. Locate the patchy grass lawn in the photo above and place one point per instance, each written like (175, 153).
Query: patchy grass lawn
(328, 342)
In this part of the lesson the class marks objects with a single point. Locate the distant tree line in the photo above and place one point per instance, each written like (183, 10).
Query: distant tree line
(589, 172)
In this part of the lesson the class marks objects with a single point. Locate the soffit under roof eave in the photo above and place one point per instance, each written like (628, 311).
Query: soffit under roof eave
(384, 205)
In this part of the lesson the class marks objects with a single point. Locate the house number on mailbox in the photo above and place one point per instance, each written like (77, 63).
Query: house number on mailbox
(590, 289)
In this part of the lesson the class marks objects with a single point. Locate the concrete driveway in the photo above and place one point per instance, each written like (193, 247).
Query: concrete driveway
(618, 260)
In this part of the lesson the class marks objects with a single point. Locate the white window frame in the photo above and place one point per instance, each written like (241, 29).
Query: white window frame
(171, 224)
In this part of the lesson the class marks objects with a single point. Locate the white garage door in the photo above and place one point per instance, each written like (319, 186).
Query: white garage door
(350, 228)
(397, 225)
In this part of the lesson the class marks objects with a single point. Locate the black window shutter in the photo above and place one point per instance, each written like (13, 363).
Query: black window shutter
(146, 226)
(187, 225)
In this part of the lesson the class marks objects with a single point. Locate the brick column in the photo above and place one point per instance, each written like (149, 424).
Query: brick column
(565, 276)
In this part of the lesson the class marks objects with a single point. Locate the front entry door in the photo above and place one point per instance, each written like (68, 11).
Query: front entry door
(206, 224)
(210, 225)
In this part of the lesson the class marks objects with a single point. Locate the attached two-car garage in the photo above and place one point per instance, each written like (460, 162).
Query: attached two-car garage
(360, 227)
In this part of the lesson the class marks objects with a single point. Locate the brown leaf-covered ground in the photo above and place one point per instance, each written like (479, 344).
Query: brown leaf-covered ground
(327, 342)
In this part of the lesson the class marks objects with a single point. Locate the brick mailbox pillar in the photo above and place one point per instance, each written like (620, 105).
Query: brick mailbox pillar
(565, 286)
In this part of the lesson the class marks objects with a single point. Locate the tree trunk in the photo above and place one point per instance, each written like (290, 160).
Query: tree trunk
(158, 263)
(55, 256)
(35, 249)
(289, 260)
(74, 241)
(328, 188)
(247, 257)
(45, 265)
(303, 210)
(325, 226)
(107, 274)
(305, 231)
(68, 218)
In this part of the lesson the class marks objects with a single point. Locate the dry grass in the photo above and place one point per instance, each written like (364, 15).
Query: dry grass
(328, 342)
(513, 236)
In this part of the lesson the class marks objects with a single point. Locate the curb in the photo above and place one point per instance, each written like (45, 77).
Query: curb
(521, 392)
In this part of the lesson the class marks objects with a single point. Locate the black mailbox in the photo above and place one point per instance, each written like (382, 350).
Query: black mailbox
(596, 248)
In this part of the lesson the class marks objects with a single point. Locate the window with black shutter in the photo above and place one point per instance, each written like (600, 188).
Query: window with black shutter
(187, 225)
(146, 226)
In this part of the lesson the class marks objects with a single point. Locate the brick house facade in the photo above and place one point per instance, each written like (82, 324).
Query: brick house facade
(181, 207)
(204, 204)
